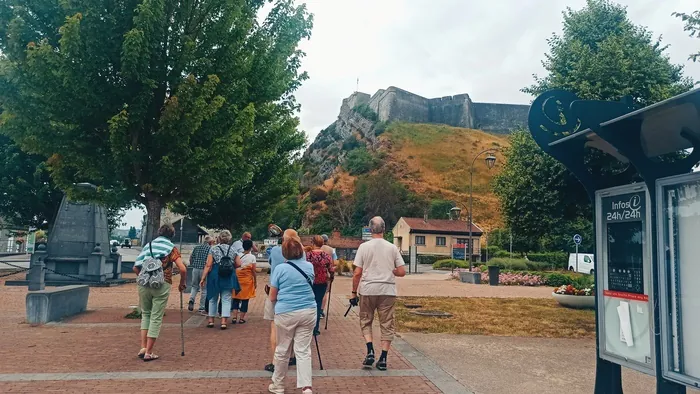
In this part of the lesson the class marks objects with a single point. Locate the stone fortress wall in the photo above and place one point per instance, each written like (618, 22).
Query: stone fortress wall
(394, 104)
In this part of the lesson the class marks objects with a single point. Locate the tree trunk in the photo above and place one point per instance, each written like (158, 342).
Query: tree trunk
(153, 208)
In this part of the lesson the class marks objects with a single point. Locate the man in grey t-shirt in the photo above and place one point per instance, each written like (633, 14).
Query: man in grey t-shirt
(377, 264)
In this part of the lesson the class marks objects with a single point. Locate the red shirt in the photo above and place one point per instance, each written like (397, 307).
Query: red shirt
(322, 264)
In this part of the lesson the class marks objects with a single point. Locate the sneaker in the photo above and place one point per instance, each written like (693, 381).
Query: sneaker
(292, 361)
(190, 305)
(203, 312)
(369, 360)
(270, 368)
(273, 388)
(381, 365)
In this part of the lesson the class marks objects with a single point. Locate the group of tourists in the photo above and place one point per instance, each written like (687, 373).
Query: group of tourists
(224, 273)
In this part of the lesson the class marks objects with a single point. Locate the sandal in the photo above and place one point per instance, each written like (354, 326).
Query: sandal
(142, 353)
(241, 321)
(224, 326)
(210, 325)
(150, 357)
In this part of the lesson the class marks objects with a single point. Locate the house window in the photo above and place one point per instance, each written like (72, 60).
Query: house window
(420, 240)
(440, 241)
(463, 241)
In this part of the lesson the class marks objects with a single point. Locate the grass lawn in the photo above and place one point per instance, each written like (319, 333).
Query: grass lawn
(522, 317)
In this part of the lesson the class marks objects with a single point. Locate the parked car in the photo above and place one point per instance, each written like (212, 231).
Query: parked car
(113, 242)
(586, 263)
(126, 243)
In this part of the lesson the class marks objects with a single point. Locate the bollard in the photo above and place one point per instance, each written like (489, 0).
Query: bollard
(35, 276)
(494, 272)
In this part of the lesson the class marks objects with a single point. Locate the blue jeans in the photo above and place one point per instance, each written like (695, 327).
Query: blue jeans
(196, 277)
(319, 292)
(225, 303)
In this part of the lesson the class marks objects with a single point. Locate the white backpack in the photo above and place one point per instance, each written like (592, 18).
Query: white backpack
(151, 274)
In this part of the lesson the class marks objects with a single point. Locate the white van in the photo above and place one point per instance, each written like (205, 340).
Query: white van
(586, 263)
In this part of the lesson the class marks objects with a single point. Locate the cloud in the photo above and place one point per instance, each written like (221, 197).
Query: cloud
(444, 47)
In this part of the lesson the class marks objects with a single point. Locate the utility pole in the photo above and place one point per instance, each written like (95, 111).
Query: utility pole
(511, 243)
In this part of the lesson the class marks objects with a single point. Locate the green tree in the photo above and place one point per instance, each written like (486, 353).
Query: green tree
(600, 55)
(152, 101)
(692, 26)
(360, 161)
(440, 209)
(132, 232)
(28, 196)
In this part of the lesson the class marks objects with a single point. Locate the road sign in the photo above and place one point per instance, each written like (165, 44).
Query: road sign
(577, 239)
(270, 241)
(366, 233)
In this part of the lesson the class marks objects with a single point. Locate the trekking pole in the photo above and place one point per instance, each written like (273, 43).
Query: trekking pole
(328, 307)
(182, 328)
(319, 352)
(348, 311)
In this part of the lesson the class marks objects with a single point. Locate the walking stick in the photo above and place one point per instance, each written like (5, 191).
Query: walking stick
(328, 307)
(182, 328)
(319, 352)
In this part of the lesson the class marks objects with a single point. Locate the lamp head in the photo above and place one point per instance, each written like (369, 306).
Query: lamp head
(490, 161)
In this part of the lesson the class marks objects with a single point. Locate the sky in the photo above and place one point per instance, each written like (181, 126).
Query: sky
(488, 49)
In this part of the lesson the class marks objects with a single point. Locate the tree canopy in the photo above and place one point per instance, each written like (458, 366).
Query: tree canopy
(28, 196)
(692, 26)
(152, 101)
(600, 55)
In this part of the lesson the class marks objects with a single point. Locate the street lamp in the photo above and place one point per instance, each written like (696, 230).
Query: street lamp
(490, 162)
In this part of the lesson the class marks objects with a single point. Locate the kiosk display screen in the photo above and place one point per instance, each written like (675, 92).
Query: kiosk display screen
(625, 257)
(680, 253)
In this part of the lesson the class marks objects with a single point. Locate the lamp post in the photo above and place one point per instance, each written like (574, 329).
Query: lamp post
(490, 161)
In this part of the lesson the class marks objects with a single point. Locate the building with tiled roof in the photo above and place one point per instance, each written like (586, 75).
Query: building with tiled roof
(345, 247)
(435, 236)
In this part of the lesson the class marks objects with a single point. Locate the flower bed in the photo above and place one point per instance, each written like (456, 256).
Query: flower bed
(506, 278)
(571, 297)
(570, 290)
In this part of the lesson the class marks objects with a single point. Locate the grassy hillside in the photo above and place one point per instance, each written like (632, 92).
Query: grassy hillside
(433, 161)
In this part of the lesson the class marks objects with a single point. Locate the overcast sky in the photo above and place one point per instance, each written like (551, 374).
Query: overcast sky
(488, 49)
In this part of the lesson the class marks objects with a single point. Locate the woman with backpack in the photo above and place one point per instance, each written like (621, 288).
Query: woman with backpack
(154, 267)
(295, 314)
(220, 277)
(323, 271)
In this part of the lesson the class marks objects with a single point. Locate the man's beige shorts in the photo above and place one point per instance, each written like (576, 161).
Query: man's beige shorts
(384, 305)
(269, 313)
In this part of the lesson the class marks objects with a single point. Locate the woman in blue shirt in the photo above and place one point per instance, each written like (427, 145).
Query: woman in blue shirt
(295, 314)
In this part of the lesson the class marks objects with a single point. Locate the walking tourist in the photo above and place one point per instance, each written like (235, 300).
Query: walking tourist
(322, 274)
(334, 262)
(248, 281)
(155, 280)
(377, 264)
(295, 314)
(220, 278)
(198, 260)
(238, 245)
(275, 258)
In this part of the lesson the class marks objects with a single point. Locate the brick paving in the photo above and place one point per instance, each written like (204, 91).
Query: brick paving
(103, 341)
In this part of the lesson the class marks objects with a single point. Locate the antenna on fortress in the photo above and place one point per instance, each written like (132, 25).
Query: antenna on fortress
(357, 87)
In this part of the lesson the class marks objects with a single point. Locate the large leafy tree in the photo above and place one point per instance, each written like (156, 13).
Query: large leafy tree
(28, 197)
(600, 55)
(273, 177)
(692, 26)
(151, 100)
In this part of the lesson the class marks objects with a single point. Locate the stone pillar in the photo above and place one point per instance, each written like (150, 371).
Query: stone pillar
(36, 269)
(96, 264)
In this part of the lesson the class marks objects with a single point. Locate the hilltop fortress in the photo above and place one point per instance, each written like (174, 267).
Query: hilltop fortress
(394, 104)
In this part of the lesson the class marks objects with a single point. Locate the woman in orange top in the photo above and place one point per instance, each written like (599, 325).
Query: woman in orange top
(248, 281)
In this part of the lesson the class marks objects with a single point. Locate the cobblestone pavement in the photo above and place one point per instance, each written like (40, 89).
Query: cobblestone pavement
(96, 352)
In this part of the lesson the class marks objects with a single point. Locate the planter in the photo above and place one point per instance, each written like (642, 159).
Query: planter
(577, 302)
(470, 277)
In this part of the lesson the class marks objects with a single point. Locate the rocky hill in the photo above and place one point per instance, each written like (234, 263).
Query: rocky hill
(430, 160)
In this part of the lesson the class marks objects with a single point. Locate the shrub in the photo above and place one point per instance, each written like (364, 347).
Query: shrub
(351, 143)
(510, 264)
(366, 112)
(492, 250)
(423, 258)
(500, 254)
(554, 259)
(380, 128)
(317, 194)
(535, 266)
(450, 263)
(556, 279)
(360, 161)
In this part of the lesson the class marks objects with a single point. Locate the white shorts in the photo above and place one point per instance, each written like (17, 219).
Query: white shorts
(269, 313)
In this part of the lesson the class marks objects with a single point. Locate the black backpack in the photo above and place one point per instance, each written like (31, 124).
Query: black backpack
(226, 266)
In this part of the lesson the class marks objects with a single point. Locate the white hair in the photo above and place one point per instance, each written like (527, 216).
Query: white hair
(376, 225)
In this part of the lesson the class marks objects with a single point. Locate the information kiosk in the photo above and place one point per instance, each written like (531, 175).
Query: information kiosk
(624, 277)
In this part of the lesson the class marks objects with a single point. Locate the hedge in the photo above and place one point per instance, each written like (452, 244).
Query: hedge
(509, 264)
(423, 258)
(450, 263)
(553, 259)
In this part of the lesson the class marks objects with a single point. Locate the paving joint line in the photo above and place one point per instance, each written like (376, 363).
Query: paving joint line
(76, 376)
(429, 368)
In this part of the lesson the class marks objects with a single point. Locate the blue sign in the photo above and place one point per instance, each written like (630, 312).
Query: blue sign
(459, 252)
(577, 239)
